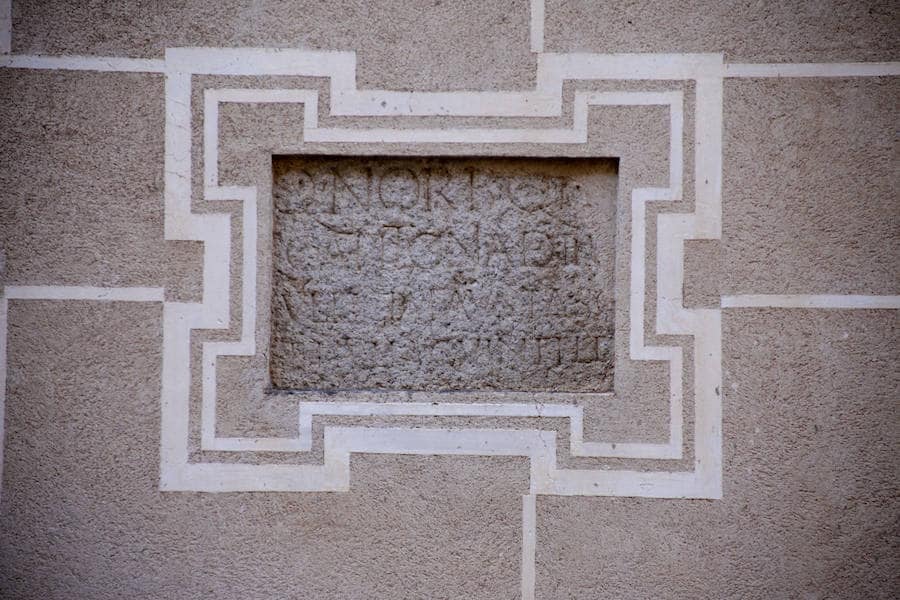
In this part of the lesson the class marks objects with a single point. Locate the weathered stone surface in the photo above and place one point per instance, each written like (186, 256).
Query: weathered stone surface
(443, 274)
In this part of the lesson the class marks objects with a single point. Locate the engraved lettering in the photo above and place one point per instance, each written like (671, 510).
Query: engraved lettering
(442, 274)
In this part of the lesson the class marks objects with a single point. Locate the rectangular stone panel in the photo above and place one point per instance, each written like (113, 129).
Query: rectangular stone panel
(443, 274)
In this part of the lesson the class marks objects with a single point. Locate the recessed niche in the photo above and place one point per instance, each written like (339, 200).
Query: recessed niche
(443, 274)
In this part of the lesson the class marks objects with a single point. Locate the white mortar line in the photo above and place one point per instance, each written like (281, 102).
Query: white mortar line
(576, 135)
(64, 292)
(838, 301)
(554, 68)
(447, 136)
(115, 64)
(637, 296)
(177, 162)
(308, 410)
(850, 69)
(265, 61)
(673, 100)
(348, 100)
(708, 132)
(374, 103)
(444, 409)
(529, 545)
(537, 25)
(706, 324)
(246, 346)
(5, 26)
(210, 139)
(179, 319)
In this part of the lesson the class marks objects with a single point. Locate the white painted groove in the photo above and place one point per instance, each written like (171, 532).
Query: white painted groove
(851, 69)
(529, 545)
(811, 301)
(352, 102)
(61, 292)
(536, 23)
(637, 295)
(179, 319)
(308, 410)
(214, 230)
(5, 29)
(340, 442)
(555, 68)
(348, 101)
(578, 134)
(84, 63)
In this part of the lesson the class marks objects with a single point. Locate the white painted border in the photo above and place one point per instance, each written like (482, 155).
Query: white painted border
(536, 22)
(831, 301)
(113, 64)
(214, 230)
(578, 134)
(56, 292)
(452, 103)
(529, 545)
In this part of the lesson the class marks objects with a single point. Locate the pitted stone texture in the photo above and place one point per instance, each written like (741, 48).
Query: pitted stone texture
(438, 274)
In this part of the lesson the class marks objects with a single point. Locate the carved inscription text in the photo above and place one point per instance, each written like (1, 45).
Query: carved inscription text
(443, 274)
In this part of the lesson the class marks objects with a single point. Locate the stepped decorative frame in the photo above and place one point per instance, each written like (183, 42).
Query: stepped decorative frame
(704, 71)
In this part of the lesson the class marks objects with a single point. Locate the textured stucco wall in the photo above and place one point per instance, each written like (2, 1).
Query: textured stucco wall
(809, 213)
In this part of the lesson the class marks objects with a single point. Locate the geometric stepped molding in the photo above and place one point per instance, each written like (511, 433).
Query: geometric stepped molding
(642, 81)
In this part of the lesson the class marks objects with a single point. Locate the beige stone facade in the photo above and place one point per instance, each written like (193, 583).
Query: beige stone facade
(514, 299)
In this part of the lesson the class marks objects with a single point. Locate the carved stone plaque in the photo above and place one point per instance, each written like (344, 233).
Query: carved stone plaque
(443, 274)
